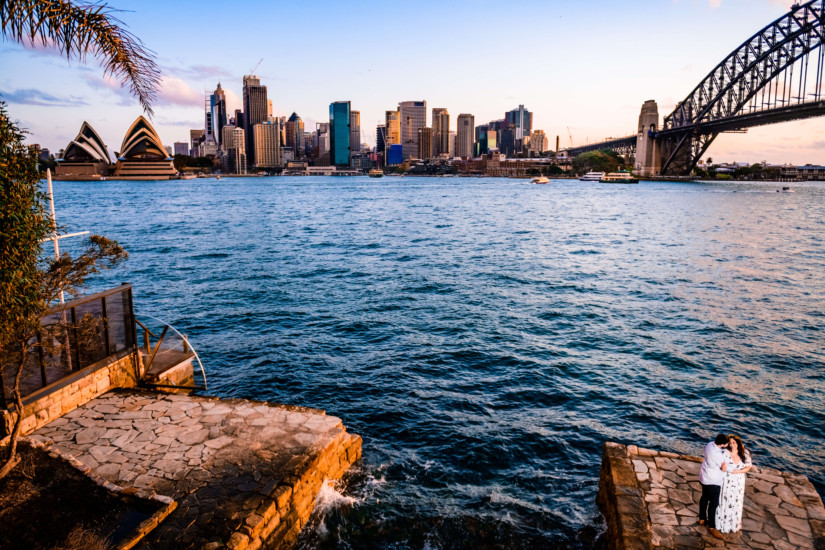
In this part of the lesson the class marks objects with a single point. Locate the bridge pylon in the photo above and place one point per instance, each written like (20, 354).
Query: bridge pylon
(648, 149)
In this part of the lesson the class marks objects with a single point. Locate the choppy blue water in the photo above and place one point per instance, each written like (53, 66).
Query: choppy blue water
(487, 336)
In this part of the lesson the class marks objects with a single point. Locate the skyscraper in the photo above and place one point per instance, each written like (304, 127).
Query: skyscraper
(255, 110)
(413, 117)
(217, 106)
(393, 125)
(322, 143)
(295, 135)
(267, 144)
(441, 131)
(355, 131)
(465, 132)
(236, 154)
(521, 120)
(380, 138)
(425, 143)
(339, 133)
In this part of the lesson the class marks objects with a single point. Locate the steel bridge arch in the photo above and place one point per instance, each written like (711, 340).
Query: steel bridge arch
(731, 88)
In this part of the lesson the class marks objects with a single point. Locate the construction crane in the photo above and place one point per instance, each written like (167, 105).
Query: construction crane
(570, 135)
(258, 64)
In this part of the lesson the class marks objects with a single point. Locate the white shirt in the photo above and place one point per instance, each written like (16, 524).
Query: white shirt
(711, 472)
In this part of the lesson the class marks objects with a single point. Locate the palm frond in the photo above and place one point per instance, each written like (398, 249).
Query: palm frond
(79, 30)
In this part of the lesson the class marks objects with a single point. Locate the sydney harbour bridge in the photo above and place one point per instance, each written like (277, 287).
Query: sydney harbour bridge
(774, 76)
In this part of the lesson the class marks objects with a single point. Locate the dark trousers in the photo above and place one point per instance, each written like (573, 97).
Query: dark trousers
(709, 503)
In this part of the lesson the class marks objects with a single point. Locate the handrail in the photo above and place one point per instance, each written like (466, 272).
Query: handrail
(185, 340)
(85, 299)
(146, 329)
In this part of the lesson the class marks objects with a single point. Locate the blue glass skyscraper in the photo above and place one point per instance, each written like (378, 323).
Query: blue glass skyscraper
(339, 127)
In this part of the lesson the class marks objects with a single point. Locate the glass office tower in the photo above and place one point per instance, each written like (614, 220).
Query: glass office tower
(339, 133)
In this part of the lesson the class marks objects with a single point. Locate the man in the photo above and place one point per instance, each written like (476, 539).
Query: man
(711, 477)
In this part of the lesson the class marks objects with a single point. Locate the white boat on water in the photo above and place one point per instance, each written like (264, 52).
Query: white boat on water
(622, 176)
(540, 179)
(592, 176)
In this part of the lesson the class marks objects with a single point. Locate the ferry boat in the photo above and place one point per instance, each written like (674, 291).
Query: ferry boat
(622, 176)
(540, 180)
(376, 173)
(592, 176)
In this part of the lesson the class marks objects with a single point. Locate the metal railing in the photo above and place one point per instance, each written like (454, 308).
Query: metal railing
(76, 335)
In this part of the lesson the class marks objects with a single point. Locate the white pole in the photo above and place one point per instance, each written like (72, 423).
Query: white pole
(54, 222)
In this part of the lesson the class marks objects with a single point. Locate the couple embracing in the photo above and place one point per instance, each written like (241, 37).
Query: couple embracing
(723, 484)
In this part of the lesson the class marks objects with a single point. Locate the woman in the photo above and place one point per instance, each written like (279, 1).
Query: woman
(732, 498)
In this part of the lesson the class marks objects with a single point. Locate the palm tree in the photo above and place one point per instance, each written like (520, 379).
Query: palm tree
(78, 30)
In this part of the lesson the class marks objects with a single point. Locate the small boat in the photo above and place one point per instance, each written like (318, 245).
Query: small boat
(622, 176)
(592, 176)
(540, 180)
(785, 190)
(376, 173)
(187, 176)
(217, 177)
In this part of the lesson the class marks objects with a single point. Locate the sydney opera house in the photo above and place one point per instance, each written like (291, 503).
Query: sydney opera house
(141, 157)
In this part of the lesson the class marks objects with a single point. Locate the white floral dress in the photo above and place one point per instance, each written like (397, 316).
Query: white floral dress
(732, 497)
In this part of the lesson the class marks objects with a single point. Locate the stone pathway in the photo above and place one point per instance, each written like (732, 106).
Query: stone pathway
(234, 466)
(782, 511)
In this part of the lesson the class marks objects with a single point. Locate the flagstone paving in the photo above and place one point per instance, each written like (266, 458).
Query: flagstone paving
(234, 466)
(782, 511)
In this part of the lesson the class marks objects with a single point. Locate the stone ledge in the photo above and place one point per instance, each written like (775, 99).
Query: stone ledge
(244, 474)
(782, 510)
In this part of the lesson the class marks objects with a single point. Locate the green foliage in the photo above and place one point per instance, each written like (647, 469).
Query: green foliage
(597, 161)
(30, 283)
(23, 225)
(724, 177)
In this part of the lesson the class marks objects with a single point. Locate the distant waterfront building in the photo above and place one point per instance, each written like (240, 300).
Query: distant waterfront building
(413, 117)
(518, 125)
(521, 120)
(339, 133)
(267, 145)
(355, 131)
(425, 143)
(395, 154)
(85, 157)
(295, 135)
(539, 142)
(236, 158)
(451, 153)
(217, 109)
(256, 110)
(195, 140)
(228, 137)
(142, 155)
(380, 139)
(181, 148)
(441, 131)
(486, 139)
(322, 144)
(465, 132)
(393, 127)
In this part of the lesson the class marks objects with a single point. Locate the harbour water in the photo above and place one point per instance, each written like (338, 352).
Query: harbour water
(486, 336)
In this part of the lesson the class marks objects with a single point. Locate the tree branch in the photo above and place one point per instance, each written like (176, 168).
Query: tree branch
(82, 29)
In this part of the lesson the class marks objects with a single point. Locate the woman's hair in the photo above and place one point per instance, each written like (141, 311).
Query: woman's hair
(741, 450)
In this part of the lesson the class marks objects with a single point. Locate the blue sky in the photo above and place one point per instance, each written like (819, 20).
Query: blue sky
(588, 66)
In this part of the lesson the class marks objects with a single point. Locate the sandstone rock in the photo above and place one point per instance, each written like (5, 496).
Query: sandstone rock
(90, 435)
(797, 525)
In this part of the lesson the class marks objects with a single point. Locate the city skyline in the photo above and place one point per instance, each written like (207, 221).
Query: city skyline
(52, 98)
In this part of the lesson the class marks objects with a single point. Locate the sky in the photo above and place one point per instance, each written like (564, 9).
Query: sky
(583, 68)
